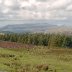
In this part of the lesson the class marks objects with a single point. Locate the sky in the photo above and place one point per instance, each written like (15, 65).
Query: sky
(35, 9)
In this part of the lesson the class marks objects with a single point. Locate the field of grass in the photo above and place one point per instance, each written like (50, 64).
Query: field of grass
(36, 59)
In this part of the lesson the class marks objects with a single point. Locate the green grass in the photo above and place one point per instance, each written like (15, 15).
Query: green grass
(37, 59)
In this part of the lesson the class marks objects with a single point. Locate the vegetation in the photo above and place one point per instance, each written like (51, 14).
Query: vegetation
(36, 59)
(35, 52)
(50, 40)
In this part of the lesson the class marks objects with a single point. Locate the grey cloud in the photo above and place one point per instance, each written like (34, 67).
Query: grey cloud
(40, 8)
(42, 0)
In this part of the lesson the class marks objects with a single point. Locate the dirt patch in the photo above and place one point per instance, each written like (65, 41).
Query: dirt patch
(5, 44)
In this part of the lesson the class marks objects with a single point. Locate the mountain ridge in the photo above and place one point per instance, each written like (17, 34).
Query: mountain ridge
(44, 26)
(36, 27)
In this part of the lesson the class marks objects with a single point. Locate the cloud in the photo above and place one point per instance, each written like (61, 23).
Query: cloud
(59, 4)
(69, 8)
(8, 3)
(36, 9)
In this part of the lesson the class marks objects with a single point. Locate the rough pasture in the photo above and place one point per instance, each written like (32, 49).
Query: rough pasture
(35, 59)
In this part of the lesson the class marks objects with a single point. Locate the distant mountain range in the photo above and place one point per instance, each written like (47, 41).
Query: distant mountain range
(34, 27)
(20, 28)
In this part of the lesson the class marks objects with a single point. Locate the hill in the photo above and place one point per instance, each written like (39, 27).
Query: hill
(45, 26)
(35, 27)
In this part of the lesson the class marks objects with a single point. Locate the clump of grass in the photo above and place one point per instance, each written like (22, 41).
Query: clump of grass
(7, 55)
(35, 68)
(42, 67)
(7, 64)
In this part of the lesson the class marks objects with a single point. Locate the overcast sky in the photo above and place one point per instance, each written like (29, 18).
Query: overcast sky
(36, 9)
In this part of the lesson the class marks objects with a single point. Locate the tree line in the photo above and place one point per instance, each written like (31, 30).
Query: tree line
(50, 40)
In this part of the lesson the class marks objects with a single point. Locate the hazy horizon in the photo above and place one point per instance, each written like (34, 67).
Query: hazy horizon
(55, 22)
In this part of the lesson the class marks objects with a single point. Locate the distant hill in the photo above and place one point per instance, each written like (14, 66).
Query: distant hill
(61, 29)
(6, 32)
(37, 26)
(34, 27)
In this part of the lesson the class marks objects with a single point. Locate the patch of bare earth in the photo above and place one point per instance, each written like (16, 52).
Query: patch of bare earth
(5, 44)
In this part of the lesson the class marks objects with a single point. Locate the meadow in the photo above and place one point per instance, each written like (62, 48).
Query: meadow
(35, 59)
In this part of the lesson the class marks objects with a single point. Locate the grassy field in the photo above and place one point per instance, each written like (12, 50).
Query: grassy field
(36, 59)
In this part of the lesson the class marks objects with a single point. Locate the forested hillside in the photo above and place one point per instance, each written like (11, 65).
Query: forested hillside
(50, 40)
